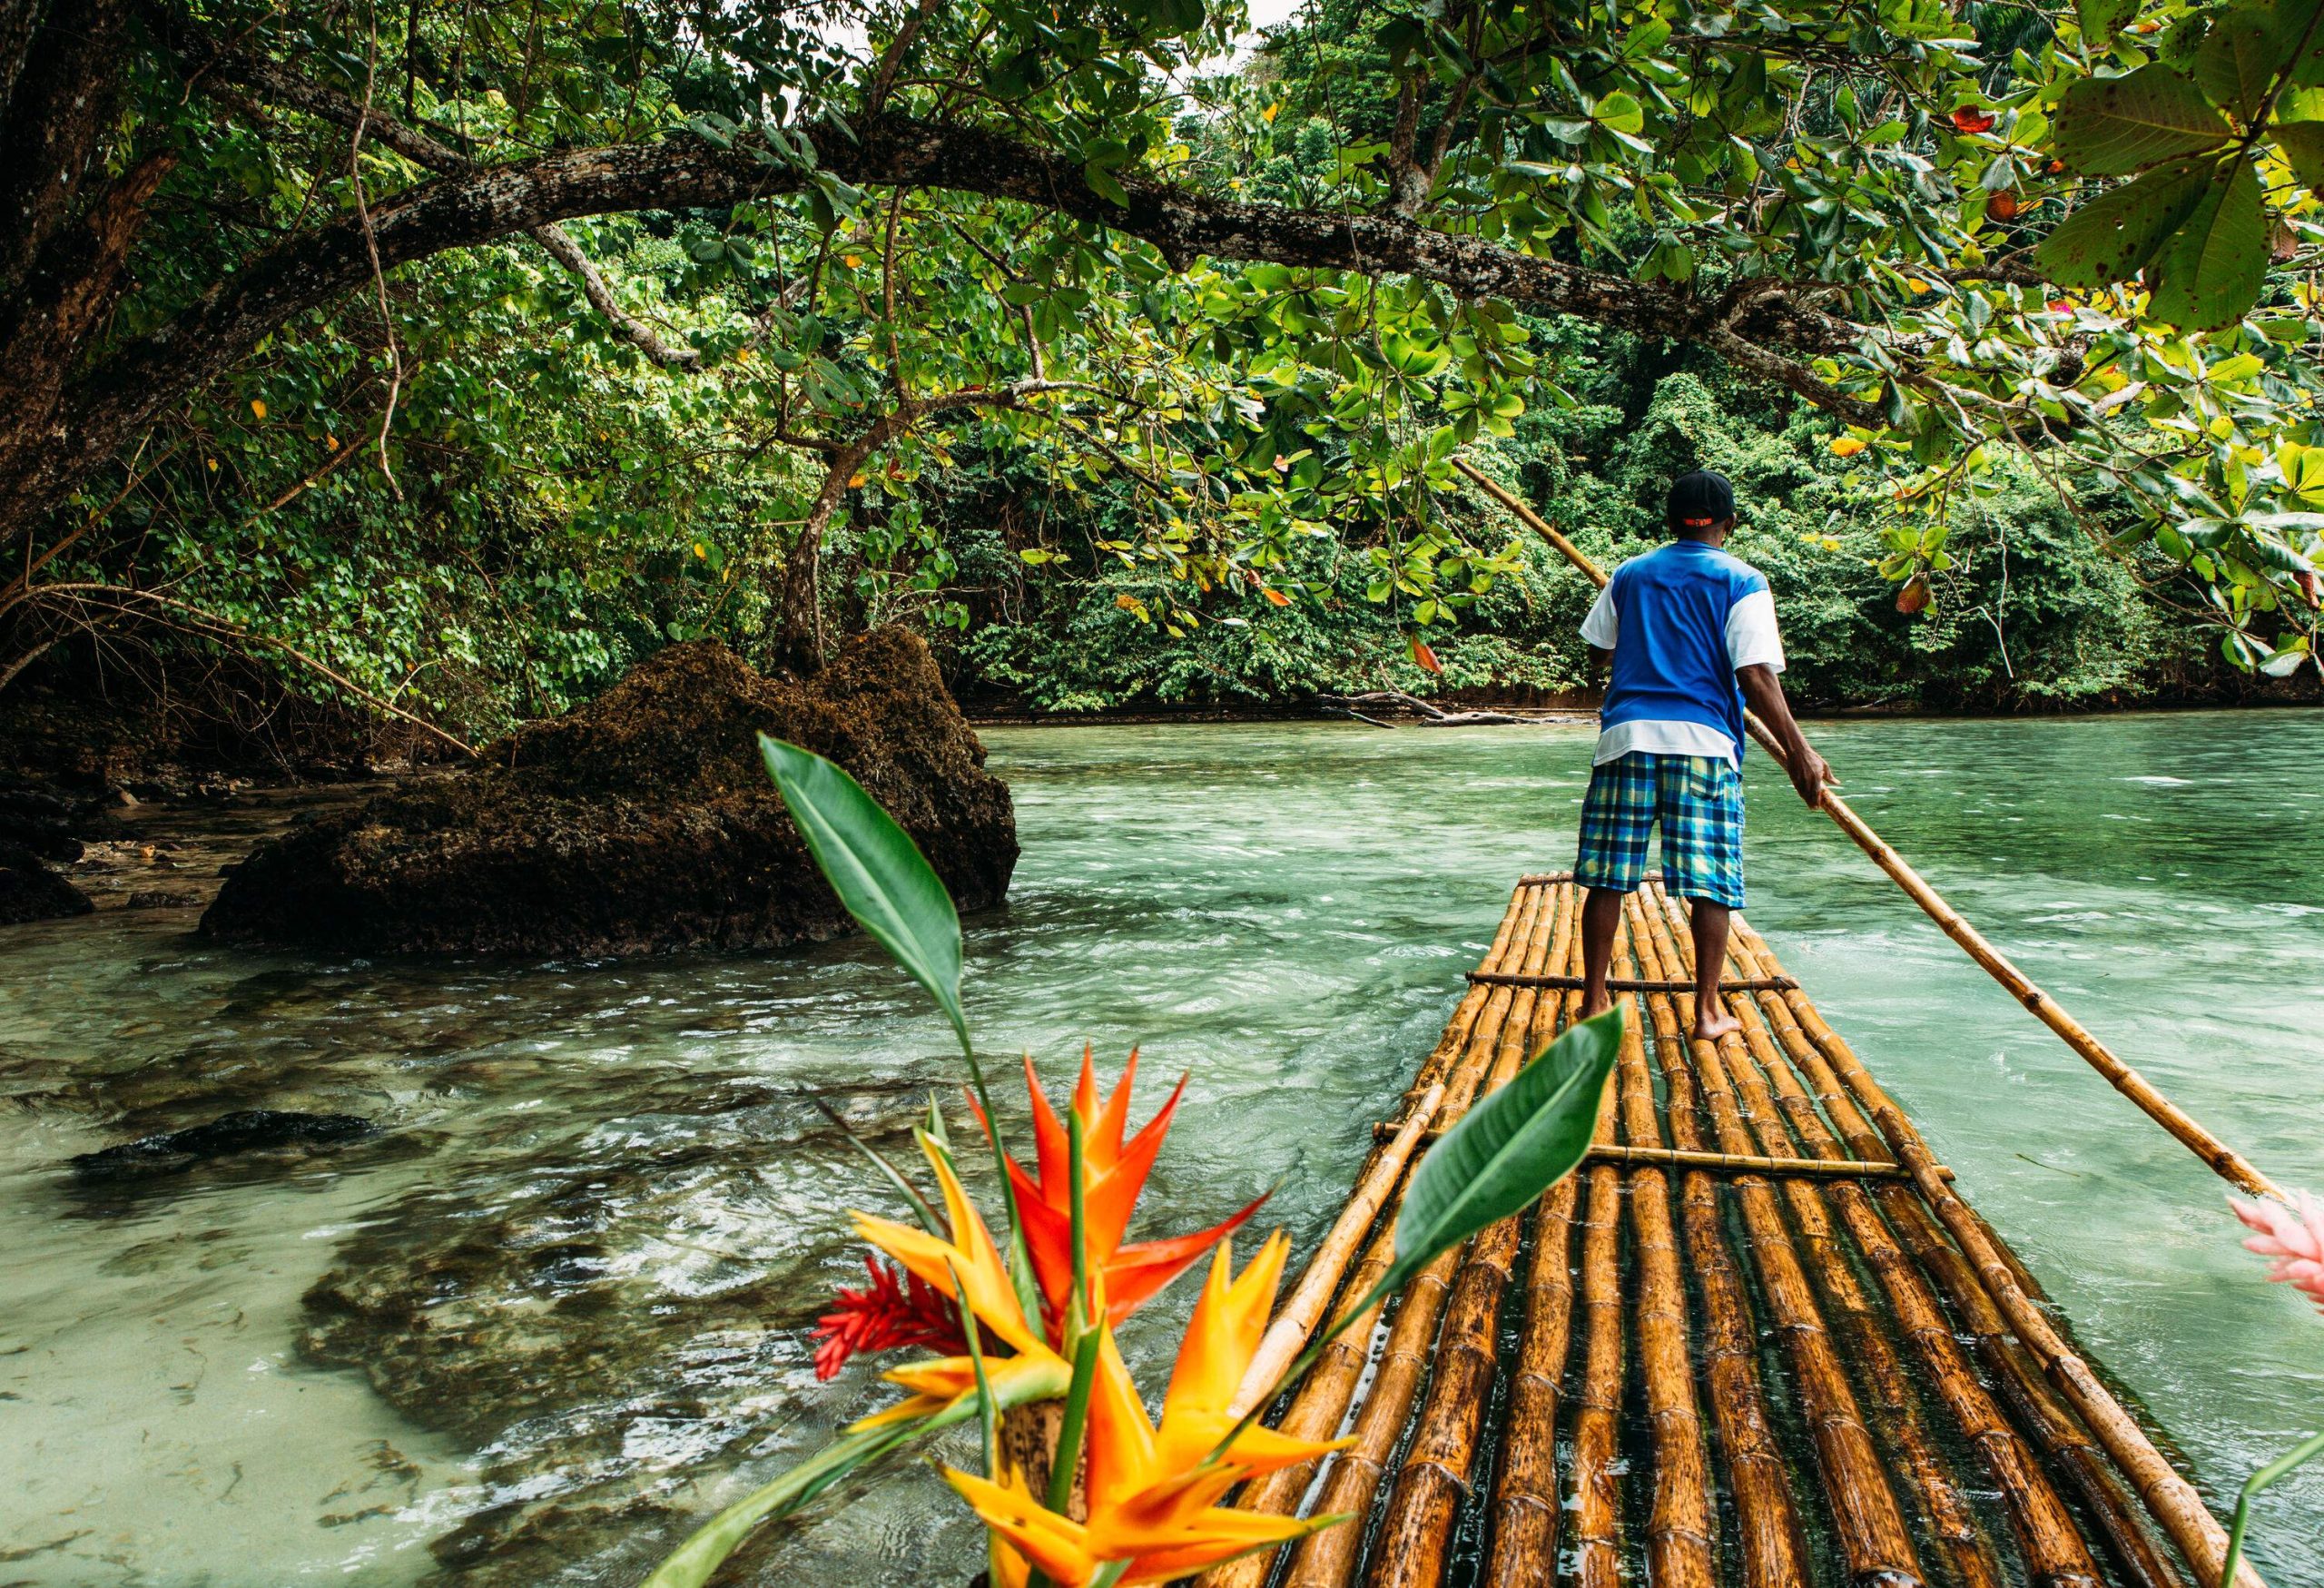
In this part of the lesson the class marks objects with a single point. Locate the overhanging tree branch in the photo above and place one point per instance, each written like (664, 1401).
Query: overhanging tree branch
(125, 390)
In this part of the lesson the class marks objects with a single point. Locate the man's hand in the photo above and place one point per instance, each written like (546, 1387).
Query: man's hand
(1809, 772)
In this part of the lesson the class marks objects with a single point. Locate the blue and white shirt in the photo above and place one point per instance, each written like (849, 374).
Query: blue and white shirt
(1679, 621)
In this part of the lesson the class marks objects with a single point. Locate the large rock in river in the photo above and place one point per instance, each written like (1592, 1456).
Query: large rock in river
(641, 822)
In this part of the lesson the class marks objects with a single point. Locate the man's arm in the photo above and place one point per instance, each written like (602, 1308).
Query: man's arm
(1809, 772)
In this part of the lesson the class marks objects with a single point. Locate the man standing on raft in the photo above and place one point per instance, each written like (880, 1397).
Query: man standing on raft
(1692, 635)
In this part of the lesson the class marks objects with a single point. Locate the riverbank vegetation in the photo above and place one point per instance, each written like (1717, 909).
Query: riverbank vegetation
(449, 363)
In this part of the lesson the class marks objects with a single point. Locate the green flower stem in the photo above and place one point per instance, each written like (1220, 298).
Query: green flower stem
(2253, 1486)
(692, 1563)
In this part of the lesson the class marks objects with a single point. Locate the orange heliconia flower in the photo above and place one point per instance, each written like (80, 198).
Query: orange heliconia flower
(967, 1268)
(1122, 1278)
(1154, 1490)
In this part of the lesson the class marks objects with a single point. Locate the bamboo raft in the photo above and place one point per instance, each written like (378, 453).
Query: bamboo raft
(1756, 1340)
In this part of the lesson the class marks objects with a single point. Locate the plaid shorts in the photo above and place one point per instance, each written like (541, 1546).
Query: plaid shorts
(1698, 802)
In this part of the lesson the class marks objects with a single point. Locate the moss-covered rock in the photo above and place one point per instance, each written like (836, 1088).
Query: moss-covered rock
(29, 891)
(641, 823)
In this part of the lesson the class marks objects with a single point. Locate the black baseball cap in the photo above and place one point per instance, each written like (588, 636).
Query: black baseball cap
(1699, 499)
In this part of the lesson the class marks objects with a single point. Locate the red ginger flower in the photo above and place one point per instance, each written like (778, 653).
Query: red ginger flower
(895, 1310)
(1122, 1278)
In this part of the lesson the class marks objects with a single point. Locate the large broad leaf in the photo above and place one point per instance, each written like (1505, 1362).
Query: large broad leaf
(2111, 238)
(1511, 1147)
(2115, 125)
(875, 868)
(2239, 61)
(2303, 146)
(2209, 274)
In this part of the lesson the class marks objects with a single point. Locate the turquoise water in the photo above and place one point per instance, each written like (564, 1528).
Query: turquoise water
(555, 1311)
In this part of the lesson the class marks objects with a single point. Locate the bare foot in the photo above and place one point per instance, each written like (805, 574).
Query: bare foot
(1712, 1022)
(1591, 1007)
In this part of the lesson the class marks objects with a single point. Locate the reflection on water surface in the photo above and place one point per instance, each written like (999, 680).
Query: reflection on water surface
(556, 1309)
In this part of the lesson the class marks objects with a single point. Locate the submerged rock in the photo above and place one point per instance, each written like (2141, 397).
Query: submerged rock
(229, 1135)
(642, 821)
(29, 891)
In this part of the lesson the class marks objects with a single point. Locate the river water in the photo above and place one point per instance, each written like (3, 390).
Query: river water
(555, 1310)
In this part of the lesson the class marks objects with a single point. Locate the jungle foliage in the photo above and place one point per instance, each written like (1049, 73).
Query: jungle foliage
(464, 353)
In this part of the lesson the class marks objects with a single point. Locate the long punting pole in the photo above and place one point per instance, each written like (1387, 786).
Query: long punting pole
(2224, 1161)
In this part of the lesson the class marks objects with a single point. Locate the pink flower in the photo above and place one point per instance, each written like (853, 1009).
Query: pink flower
(2292, 1238)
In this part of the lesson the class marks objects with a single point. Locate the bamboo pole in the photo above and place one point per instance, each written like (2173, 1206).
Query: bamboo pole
(1597, 1425)
(1774, 1554)
(1320, 1406)
(2047, 1538)
(1525, 1505)
(2168, 1497)
(1736, 1163)
(1287, 1335)
(1328, 1559)
(1434, 1476)
(1680, 1551)
(2224, 1161)
(1867, 1518)
(2044, 1423)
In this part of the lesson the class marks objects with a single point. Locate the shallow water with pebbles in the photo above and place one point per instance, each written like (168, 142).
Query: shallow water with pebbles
(555, 1311)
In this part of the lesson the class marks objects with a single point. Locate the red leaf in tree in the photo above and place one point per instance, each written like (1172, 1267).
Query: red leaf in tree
(1277, 596)
(2003, 205)
(1426, 659)
(1914, 597)
(1970, 119)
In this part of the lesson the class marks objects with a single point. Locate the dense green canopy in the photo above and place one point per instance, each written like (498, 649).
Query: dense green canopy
(471, 348)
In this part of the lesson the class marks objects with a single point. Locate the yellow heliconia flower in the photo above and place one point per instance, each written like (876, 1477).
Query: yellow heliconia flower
(1153, 1490)
(1035, 1373)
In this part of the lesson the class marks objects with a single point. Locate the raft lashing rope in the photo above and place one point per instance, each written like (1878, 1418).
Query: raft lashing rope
(1757, 1339)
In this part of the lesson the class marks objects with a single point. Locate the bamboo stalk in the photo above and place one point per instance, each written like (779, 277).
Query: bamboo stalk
(1774, 1554)
(1680, 1551)
(1525, 1491)
(1868, 1520)
(2047, 1537)
(1526, 1506)
(1597, 1423)
(1287, 1335)
(1754, 1163)
(1434, 1476)
(1627, 983)
(2168, 1497)
(2044, 1421)
(1321, 1405)
(1328, 1559)
(2224, 1161)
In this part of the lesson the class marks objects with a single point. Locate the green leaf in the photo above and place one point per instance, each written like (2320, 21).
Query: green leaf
(1105, 185)
(875, 868)
(2239, 60)
(2210, 270)
(2110, 238)
(2098, 18)
(2115, 125)
(1621, 112)
(2303, 145)
(1511, 1147)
